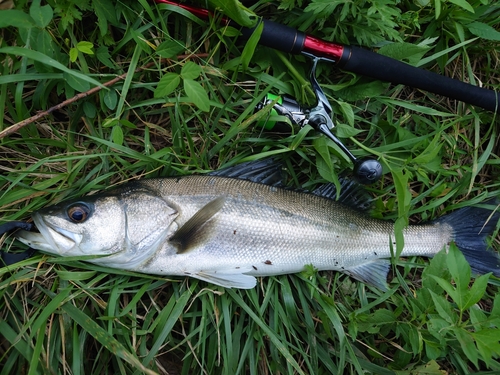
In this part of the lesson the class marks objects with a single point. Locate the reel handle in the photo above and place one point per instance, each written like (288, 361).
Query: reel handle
(366, 171)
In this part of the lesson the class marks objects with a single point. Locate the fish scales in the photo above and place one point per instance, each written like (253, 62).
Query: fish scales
(228, 230)
(288, 229)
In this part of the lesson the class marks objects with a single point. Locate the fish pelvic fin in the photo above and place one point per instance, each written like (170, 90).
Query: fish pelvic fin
(228, 278)
(193, 229)
(373, 273)
(471, 226)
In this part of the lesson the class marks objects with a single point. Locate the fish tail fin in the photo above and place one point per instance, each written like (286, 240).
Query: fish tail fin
(471, 226)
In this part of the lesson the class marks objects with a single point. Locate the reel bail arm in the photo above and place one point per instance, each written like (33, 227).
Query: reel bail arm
(366, 171)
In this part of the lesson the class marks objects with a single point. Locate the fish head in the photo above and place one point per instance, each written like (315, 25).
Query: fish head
(126, 228)
(78, 227)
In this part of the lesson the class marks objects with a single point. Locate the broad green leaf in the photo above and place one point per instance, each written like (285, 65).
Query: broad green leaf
(128, 124)
(42, 15)
(325, 166)
(383, 316)
(109, 122)
(346, 131)
(169, 49)
(168, 83)
(429, 368)
(430, 153)
(346, 109)
(436, 267)
(433, 350)
(321, 146)
(44, 43)
(361, 91)
(103, 56)
(404, 51)
(437, 5)
(89, 109)
(443, 308)
(190, 70)
(110, 98)
(197, 94)
(476, 291)
(85, 47)
(76, 83)
(415, 339)
(453, 293)
(106, 12)
(438, 328)
(495, 311)
(467, 343)
(463, 4)
(117, 135)
(477, 317)
(487, 343)
(459, 269)
(37, 56)
(484, 31)
(16, 18)
(236, 11)
(73, 54)
(229, 31)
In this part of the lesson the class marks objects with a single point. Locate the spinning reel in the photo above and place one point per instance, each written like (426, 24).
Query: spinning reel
(366, 171)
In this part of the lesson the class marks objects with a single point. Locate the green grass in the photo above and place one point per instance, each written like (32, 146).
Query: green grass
(66, 316)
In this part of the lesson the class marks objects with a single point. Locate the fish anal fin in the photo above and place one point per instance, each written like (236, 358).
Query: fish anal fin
(193, 229)
(373, 273)
(227, 278)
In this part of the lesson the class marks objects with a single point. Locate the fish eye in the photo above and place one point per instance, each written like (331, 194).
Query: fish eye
(78, 212)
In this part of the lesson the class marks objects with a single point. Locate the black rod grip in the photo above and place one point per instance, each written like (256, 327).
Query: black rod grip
(278, 36)
(374, 65)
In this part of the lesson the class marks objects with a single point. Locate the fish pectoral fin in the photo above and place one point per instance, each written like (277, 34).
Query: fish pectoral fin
(192, 230)
(227, 278)
(373, 273)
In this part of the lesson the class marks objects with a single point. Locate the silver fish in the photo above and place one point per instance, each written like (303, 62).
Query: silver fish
(228, 230)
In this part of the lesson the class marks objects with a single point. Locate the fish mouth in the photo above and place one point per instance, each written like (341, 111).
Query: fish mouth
(50, 239)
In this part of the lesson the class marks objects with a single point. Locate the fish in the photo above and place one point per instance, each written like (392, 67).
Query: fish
(233, 225)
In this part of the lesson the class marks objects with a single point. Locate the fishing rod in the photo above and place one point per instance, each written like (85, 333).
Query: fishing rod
(360, 61)
(350, 58)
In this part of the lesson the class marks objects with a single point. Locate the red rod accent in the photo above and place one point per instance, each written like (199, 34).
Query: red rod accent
(321, 48)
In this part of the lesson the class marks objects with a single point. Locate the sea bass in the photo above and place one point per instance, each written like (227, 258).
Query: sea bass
(233, 225)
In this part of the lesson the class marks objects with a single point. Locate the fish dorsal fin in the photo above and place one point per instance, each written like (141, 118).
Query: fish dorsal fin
(265, 171)
(235, 278)
(192, 229)
(352, 194)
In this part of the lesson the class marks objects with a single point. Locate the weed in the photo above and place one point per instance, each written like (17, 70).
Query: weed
(185, 103)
